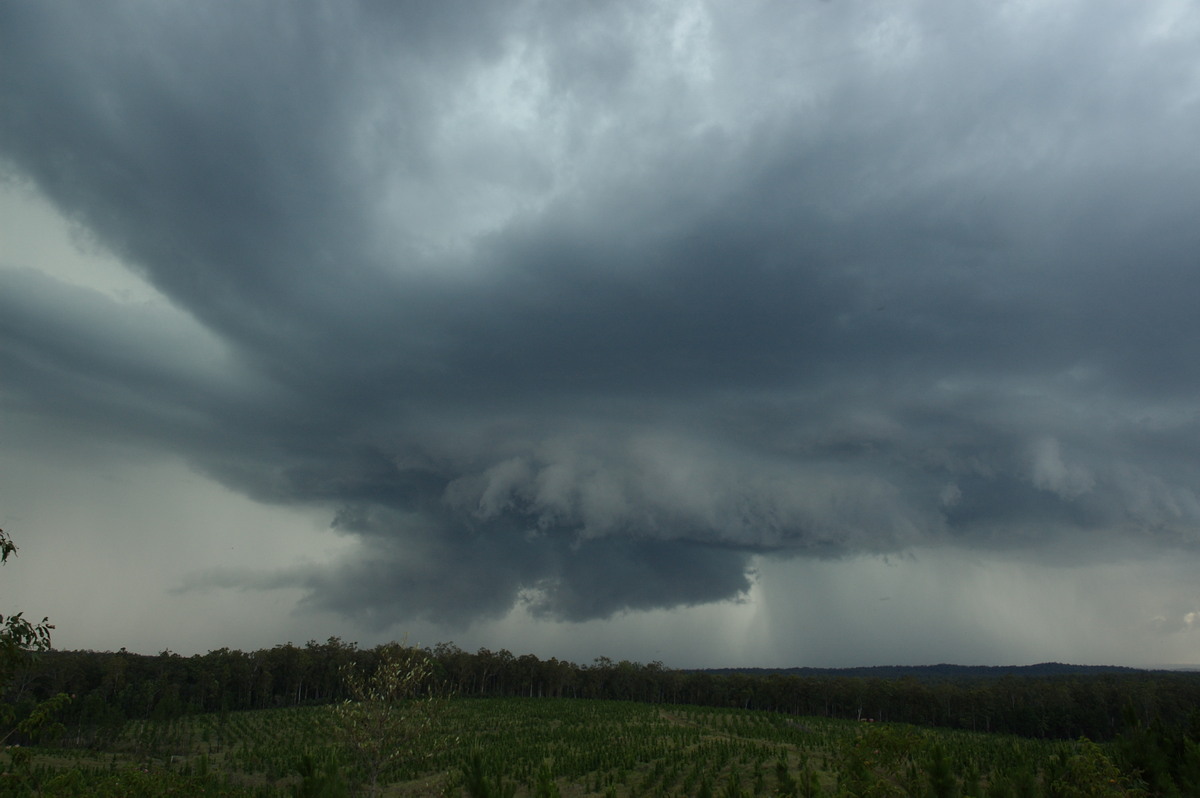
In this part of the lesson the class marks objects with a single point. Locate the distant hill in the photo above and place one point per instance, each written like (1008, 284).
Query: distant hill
(936, 673)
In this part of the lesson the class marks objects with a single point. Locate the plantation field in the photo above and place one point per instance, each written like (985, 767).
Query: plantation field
(526, 746)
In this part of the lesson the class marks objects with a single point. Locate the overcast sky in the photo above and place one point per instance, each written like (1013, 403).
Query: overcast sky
(756, 333)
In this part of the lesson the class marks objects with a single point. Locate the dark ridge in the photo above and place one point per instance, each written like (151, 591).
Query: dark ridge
(942, 672)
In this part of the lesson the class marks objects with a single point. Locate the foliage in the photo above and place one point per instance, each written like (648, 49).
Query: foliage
(942, 783)
(673, 733)
(546, 787)
(528, 747)
(76, 782)
(19, 637)
(1102, 705)
(320, 777)
(1166, 758)
(389, 711)
(479, 784)
(1087, 772)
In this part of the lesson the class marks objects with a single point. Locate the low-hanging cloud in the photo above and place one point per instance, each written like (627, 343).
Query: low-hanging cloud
(587, 306)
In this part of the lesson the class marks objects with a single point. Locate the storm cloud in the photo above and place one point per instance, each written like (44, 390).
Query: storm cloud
(584, 307)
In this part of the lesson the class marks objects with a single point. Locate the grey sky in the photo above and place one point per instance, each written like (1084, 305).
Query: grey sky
(539, 319)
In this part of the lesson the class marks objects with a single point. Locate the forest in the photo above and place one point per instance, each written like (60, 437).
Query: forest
(134, 705)
(1100, 704)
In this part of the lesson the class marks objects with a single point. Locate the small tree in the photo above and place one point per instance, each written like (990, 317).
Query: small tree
(389, 710)
(940, 773)
(18, 637)
(479, 785)
(1089, 773)
(320, 777)
(546, 786)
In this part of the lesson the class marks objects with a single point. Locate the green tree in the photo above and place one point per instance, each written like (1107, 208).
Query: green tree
(546, 787)
(785, 785)
(479, 784)
(1089, 773)
(809, 785)
(940, 773)
(19, 637)
(320, 777)
(389, 710)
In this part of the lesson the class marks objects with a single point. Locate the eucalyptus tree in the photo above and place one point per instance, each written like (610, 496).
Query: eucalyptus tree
(389, 710)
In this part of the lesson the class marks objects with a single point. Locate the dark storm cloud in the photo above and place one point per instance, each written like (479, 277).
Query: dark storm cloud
(586, 305)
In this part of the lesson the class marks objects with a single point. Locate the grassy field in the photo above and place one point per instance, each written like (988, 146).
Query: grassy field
(568, 747)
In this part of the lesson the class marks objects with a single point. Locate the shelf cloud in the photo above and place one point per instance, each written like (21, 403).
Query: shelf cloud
(589, 307)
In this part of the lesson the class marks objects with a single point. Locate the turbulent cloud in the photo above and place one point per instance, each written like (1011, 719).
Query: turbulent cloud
(585, 306)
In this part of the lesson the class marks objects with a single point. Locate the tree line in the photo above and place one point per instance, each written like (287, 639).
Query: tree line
(108, 688)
